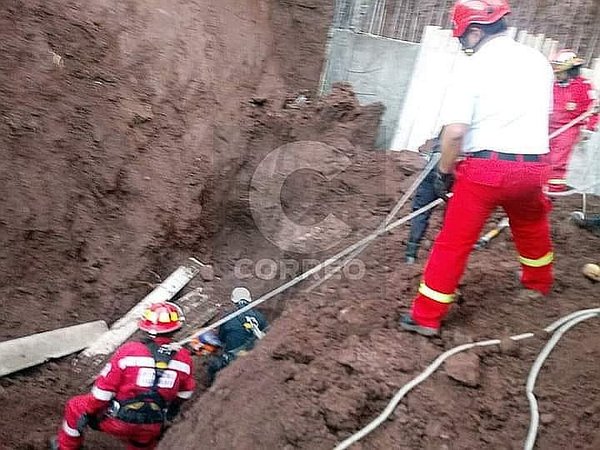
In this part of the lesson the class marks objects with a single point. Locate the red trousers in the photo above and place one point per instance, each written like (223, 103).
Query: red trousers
(135, 436)
(561, 148)
(482, 185)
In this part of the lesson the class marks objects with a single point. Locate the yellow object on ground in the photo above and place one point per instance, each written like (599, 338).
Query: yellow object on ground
(592, 271)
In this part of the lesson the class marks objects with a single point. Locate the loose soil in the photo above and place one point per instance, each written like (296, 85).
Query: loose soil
(130, 133)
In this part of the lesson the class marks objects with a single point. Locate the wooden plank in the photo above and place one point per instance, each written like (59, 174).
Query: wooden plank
(123, 328)
(29, 351)
(198, 309)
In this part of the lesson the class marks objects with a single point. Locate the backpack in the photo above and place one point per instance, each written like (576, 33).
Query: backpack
(148, 407)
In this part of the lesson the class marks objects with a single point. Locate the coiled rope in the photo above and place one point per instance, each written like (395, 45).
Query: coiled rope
(558, 328)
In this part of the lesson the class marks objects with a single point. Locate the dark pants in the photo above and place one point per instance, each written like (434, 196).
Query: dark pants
(217, 363)
(590, 223)
(424, 195)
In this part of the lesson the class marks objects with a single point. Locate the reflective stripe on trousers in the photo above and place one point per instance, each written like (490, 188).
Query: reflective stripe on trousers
(481, 186)
(439, 297)
(545, 260)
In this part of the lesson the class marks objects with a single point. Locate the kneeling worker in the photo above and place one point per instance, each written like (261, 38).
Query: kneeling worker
(237, 335)
(138, 391)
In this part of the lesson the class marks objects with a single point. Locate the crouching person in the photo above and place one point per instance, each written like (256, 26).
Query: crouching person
(236, 336)
(138, 391)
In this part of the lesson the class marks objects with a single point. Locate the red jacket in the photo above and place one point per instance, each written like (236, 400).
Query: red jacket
(130, 372)
(572, 100)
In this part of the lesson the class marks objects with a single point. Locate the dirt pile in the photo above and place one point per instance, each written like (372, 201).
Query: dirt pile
(131, 134)
(123, 127)
(336, 356)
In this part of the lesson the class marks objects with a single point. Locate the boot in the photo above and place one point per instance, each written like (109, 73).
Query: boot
(591, 223)
(408, 324)
(526, 296)
(412, 249)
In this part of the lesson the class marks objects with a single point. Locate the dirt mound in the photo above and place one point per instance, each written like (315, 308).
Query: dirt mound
(131, 135)
(336, 356)
(123, 126)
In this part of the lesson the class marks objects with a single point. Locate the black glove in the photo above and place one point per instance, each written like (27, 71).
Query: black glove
(442, 184)
(173, 410)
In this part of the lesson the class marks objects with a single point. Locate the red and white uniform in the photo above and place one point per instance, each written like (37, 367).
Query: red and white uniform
(571, 100)
(129, 373)
(506, 148)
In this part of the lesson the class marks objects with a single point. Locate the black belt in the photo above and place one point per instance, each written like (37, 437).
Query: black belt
(489, 154)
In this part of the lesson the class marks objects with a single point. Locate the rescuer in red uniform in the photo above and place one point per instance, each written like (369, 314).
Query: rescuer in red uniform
(497, 117)
(573, 96)
(140, 389)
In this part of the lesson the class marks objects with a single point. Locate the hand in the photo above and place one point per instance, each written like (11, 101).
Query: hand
(585, 135)
(442, 185)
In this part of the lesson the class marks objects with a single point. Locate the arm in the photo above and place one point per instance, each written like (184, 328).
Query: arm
(452, 139)
(106, 384)
(188, 384)
(186, 389)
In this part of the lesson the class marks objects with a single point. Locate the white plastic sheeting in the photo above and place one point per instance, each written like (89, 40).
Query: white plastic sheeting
(583, 171)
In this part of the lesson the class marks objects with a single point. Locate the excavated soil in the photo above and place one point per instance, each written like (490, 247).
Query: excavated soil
(129, 135)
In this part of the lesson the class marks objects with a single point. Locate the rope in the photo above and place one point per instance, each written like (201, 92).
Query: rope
(435, 157)
(310, 272)
(572, 123)
(535, 369)
(566, 322)
(583, 191)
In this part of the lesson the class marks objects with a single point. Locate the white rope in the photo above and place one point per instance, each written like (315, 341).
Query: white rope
(438, 362)
(310, 272)
(535, 370)
(435, 157)
(555, 325)
(572, 123)
(583, 191)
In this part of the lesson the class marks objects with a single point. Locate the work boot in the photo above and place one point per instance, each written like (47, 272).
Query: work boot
(591, 223)
(407, 323)
(528, 295)
(53, 442)
(411, 252)
(578, 218)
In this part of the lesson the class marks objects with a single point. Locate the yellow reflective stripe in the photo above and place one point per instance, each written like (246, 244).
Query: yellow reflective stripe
(435, 295)
(557, 181)
(540, 262)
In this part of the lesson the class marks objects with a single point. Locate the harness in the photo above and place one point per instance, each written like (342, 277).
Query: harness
(148, 407)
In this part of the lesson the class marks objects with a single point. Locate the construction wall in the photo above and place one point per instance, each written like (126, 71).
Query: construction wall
(410, 79)
(378, 68)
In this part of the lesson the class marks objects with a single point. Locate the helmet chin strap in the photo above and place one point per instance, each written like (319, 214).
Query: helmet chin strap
(469, 51)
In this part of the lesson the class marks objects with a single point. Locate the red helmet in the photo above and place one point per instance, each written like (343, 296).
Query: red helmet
(161, 318)
(467, 12)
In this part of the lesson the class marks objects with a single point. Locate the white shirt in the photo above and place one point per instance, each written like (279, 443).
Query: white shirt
(504, 93)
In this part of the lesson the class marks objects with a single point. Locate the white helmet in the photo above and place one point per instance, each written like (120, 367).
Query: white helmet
(564, 60)
(240, 294)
